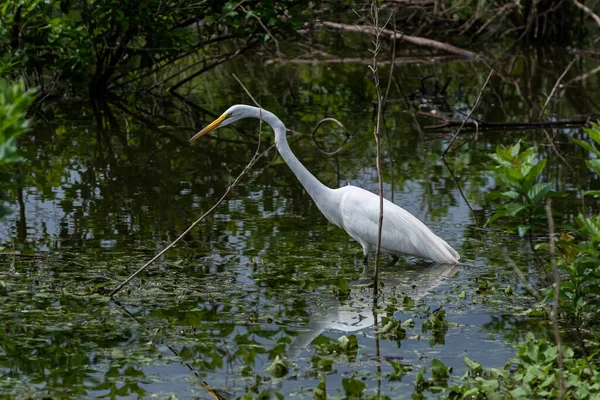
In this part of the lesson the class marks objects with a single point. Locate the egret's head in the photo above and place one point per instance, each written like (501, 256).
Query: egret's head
(233, 113)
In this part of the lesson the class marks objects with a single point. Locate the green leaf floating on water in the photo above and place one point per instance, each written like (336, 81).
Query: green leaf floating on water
(409, 323)
(473, 366)
(393, 329)
(353, 387)
(348, 343)
(278, 368)
(439, 370)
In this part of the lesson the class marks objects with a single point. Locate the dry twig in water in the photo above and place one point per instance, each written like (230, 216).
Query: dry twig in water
(375, 51)
(550, 140)
(462, 194)
(385, 103)
(250, 164)
(469, 115)
(556, 298)
(556, 84)
(255, 157)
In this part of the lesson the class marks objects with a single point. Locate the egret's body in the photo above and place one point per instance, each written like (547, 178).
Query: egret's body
(351, 208)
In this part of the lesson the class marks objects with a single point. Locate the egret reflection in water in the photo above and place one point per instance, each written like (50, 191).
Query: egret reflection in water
(356, 311)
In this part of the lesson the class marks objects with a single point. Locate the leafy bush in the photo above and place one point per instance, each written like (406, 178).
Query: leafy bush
(533, 373)
(518, 172)
(578, 255)
(91, 43)
(14, 102)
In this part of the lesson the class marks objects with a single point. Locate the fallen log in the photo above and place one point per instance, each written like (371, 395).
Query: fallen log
(416, 40)
(364, 60)
(514, 125)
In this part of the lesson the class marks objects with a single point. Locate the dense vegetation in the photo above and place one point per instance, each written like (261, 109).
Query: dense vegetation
(102, 44)
(14, 102)
(79, 47)
(542, 370)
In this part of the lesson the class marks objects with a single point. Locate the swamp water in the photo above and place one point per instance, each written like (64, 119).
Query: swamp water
(107, 186)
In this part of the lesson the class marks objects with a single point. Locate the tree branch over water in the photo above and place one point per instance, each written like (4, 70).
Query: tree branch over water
(588, 11)
(377, 134)
(416, 40)
(469, 116)
(255, 157)
(478, 124)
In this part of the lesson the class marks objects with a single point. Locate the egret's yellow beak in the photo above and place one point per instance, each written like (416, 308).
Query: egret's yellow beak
(212, 126)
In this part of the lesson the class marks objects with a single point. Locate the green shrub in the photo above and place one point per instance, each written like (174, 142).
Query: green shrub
(14, 102)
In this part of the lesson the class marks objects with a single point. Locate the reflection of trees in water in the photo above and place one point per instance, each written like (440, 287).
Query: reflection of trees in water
(126, 173)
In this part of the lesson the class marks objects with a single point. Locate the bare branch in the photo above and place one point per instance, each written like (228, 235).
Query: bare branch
(416, 40)
(247, 92)
(511, 125)
(237, 180)
(363, 60)
(377, 134)
(557, 339)
(469, 115)
(560, 78)
(589, 12)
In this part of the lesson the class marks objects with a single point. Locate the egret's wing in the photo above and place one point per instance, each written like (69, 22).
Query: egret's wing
(401, 233)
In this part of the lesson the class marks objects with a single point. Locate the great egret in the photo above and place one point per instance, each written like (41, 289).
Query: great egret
(351, 208)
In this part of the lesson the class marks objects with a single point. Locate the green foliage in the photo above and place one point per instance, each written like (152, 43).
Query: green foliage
(437, 325)
(399, 370)
(353, 388)
(91, 41)
(278, 367)
(579, 256)
(532, 373)
(594, 133)
(348, 344)
(345, 347)
(579, 259)
(14, 102)
(436, 384)
(578, 252)
(518, 172)
(392, 329)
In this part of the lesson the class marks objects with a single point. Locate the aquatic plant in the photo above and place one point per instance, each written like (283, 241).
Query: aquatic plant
(541, 369)
(532, 373)
(518, 171)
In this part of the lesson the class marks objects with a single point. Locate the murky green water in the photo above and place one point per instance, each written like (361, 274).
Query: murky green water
(266, 275)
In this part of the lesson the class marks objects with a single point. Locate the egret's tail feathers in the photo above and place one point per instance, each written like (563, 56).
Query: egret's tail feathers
(436, 249)
(453, 253)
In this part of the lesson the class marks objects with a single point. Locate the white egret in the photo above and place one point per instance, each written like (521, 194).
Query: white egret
(351, 208)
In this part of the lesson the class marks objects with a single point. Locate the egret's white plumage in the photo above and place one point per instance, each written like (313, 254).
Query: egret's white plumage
(351, 208)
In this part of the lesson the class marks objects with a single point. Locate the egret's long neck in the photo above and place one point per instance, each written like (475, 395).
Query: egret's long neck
(308, 180)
